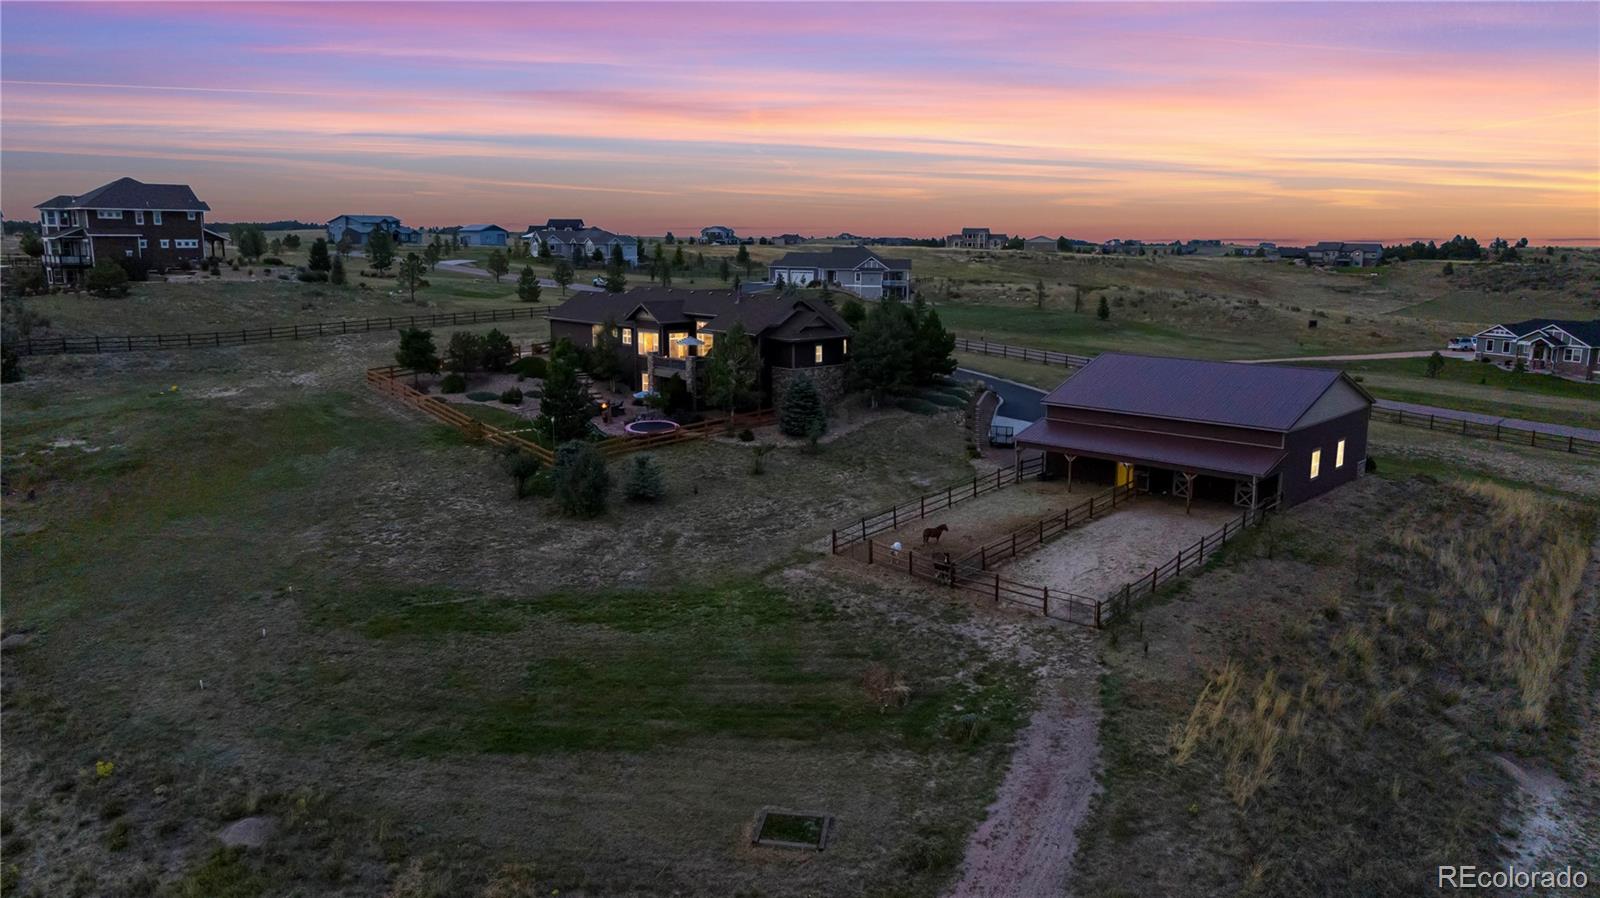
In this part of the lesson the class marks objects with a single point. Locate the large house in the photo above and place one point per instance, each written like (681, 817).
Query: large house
(1345, 255)
(360, 227)
(1567, 348)
(664, 332)
(854, 269)
(787, 240)
(482, 235)
(1197, 429)
(158, 226)
(1041, 244)
(976, 238)
(567, 242)
(717, 234)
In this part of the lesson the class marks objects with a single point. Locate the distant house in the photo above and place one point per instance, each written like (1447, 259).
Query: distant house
(788, 239)
(159, 225)
(1345, 255)
(1292, 252)
(976, 238)
(565, 242)
(1547, 345)
(666, 332)
(360, 227)
(1122, 247)
(482, 235)
(854, 269)
(717, 234)
(1194, 429)
(564, 224)
(1040, 244)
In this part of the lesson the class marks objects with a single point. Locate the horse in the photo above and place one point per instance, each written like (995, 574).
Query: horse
(932, 534)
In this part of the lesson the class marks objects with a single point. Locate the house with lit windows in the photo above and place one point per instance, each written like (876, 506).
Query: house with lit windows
(662, 333)
(1203, 430)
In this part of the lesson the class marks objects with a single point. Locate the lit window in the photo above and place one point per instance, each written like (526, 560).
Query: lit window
(844, 346)
(128, 253)
(627, 336)
(1338, 455)
(1316, 463)
(817, 357)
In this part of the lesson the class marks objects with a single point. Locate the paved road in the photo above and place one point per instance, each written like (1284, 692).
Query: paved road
(468, 266)
(1450, 414)
(1017, 400)
(1408, 354)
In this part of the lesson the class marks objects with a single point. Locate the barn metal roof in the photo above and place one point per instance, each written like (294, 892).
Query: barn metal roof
(1265, 397)
(1162, 450)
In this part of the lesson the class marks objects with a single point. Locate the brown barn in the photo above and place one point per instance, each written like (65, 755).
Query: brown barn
(666, 332)
(1198, 429)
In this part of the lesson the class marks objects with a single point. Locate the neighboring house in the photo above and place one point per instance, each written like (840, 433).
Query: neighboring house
(665, 332)
(1547, 345)
(563, 224)
(1198, 429)
(788, 239)
(1124, 247)
(360, 227)
(976, 238)
(1345, 255)
(854, 269)
(717, 234)
(563, 241)
(160, 225)
(1040, 244)
(482, 235)
(1292, 252)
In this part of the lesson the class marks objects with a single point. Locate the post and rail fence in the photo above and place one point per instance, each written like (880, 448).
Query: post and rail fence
(1022, 353)
(1120, 601)
(918, 508)
(1499, 431)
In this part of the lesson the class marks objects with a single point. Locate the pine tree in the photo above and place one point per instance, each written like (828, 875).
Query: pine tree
(562, 274)
(380, 249)
(581, 479)
(528, 285)
(498, 265)
(732, 369)
(336, 274)
(417, 352)
(644, 483)
(564, 407)
(318, 258)
(411, 271)
(800, 411)
(880, 355)
(1103, 311)
(743, 258)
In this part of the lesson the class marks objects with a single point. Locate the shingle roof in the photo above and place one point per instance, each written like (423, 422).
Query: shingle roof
(1266, 397)
(1587, 331)
(839, 257)
(481, 227)
(759, 313)
(564, 224)
(126, 193)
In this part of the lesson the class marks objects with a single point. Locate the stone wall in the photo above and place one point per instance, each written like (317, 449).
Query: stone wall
(829, 381)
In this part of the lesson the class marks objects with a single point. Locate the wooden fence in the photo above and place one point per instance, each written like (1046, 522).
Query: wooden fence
(388, 381)
(918, 508)
(274, 333)
(1117, 605)
(1039, 532)
(1505, 433)
(1022, 353)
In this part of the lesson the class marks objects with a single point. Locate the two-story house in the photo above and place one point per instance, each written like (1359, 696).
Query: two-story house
(976, 238)
(665, 332)
(1544, 345)
(853, 269)
(717, 234)
(565, 242)
(360, 227)
(1345, 255)
(157, 226)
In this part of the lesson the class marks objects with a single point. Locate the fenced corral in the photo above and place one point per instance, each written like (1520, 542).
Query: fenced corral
(1120, 601)
(1460, 425)
(1022, 353)
(388, 381)
(1036, 534)
(272, 334)
(920, 507)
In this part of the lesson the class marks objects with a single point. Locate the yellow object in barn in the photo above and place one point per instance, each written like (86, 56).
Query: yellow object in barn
(1124, 473)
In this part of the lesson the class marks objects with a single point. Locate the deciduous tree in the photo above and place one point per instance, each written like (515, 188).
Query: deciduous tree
(498, 265)
(411, 271)
(562, 274)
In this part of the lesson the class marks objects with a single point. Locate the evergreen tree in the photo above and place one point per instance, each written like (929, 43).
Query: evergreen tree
(417, 352)
(880, 355)
(800, 410)
(932, 347)
(528, 288)
(644, 483)
(380, 249)
(318, 258)
(31, 244)
(565, 406)
(605, 358)
(677, 257)
(496, 351)
(743, 258)
(107, 279)
(1103, 311)
(336, 274)
(732, 369)
(249, 241)
(617, 261)
(581, 479)
(723, 270)
(432, 254)
(1435, 364)
(1038, 291)
(411, 271)
(562, 275)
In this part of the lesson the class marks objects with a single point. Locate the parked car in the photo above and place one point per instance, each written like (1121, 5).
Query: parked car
(598, 282)
(1460, 344)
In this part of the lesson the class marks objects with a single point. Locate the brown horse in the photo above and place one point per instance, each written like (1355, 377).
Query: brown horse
(932, 534)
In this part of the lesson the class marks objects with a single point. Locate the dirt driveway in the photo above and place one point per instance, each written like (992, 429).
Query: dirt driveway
(1026, 844)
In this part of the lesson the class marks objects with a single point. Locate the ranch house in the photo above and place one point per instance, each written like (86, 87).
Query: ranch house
(665, 332)
(1221, 431)
(1545, 345)
(853, 269)
(158, 225)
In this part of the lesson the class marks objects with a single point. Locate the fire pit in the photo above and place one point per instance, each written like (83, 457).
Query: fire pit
(651, 427)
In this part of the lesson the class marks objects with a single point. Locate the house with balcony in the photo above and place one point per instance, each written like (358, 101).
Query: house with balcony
(360, 227)
(664, 332)
(1544, 346)
(155, 226)
(717, 235)
(853, 269)
(567, 242)
(976, 238)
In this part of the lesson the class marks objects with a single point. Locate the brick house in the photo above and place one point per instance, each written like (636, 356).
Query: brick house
(666, 332)
(853, 269)
(1545, 345)
(160, 226)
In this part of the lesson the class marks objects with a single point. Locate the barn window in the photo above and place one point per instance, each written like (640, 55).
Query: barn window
(1338, 455)
(1316, 463)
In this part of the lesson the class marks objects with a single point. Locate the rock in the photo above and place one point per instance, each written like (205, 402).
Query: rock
(248, 832)
(15, 641)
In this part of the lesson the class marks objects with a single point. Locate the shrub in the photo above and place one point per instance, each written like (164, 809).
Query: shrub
(532, 366)
(644, 482)
(452, 383)
(920, 406)
(523, 468)
(107, 279)
(482, 396)
(512, 396)
(271, 260)
(312, 277)
(581, 480)
(747, 435)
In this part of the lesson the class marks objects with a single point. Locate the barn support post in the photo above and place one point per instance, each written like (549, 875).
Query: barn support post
(1188, 491)
(1069, 473)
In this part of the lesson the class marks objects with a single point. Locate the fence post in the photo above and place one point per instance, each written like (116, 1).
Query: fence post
(974, 487)
(983, 558)
(869, 551)
(911, 562)
(863, 528)
(1569, 443)
(894, 515)
(1497, 431)
(1041, 531)
(922, 505)
(1047, 601)
(1153, 572)
(835, 542)
(997, 589)
(1097, 624)
(1013, 544)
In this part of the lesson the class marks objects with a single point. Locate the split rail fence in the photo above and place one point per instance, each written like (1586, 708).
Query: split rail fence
(1505, 433)
(1121, 600)
(1023, 353)
(915, 509)
(272, 334)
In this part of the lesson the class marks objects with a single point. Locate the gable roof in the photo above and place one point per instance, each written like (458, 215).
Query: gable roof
(839, 257)
(1587, 331)
(367, 219)
(127, 193)
(1263, 397)
(482, 227)
(565, 224)
(762, 314)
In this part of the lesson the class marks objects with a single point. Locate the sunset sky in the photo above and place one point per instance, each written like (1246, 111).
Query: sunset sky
(1270, 121)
